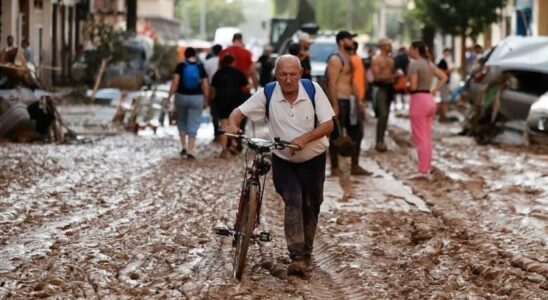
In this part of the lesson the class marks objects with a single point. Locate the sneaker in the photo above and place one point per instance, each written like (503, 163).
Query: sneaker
(183, 152)
(421, 176)
(224, 154)
(308, 263)
(190, 156)
(357, 170)
(296, 267)
(381, 147)
(336, 172)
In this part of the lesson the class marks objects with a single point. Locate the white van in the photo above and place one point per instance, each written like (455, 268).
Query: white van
(223, 35)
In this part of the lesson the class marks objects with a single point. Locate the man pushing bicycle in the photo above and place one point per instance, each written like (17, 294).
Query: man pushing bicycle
(298, 111)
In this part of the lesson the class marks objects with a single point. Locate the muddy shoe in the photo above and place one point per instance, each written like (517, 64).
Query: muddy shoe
(357, 170)
(190, 157)
(183, 153)
(381, 147)
(336, 172)
(296, 268)
(308, 263)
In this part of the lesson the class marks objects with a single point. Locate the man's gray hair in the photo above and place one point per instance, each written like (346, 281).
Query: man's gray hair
(288, 57)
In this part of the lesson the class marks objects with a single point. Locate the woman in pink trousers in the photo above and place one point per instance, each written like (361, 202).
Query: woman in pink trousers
(423, 107)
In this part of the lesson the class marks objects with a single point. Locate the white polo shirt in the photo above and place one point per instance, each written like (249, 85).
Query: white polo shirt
(289, 121)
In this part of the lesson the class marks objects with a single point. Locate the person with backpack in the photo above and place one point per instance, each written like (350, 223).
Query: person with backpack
(296, 110)
(190, 86)
(229, 88)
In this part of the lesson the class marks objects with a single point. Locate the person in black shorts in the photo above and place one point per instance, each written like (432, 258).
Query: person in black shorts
(229, 89)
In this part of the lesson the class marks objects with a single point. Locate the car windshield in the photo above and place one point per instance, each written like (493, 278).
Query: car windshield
(320, 51)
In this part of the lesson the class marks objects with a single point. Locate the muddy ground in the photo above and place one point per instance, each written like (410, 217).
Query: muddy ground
(123, 217)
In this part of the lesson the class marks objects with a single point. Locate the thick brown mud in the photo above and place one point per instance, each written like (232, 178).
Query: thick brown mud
(125, 217)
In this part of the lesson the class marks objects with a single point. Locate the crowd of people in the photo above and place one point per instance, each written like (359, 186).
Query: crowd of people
(316, 119)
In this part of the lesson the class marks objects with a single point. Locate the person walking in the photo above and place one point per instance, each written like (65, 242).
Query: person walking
(401, 64)
(228, 91)
(423, 107)
(211, 65)
(446, 66)
(266, 65)
(298, 175)
(27, 52)
(385, 75)
(244, 62)
(190, 86)
(348, 107)
(304, 56)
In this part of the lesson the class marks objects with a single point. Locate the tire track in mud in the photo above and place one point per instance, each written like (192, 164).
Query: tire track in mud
(509, 259)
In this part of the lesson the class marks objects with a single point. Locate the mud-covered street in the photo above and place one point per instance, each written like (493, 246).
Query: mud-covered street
(123, 216)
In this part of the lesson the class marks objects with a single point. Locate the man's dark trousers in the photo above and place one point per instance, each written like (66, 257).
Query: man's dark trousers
(301, 188)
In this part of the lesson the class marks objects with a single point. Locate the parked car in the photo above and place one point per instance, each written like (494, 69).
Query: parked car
(319, 51)
(523, 64)
(537, 121)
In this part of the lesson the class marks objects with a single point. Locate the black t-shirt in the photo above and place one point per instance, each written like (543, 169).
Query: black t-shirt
(442, 65)
(267, 65)
(228, 83)
(179, 71)
(307, 68)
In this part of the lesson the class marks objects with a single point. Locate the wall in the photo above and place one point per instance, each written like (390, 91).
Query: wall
(156, 8)
(541, 8)
(10, 10)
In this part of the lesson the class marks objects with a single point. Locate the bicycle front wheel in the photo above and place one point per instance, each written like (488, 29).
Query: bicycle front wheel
(247, 225)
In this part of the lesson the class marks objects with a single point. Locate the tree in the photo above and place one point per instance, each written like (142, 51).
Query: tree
(218, 13)
(335, 14)
(464, 18)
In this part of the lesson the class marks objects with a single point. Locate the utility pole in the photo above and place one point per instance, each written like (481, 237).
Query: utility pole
(349, 15)
(131, 19)
(203, 19)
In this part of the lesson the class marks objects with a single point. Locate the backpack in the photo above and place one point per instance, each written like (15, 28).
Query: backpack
(308, 87)
(191, 76)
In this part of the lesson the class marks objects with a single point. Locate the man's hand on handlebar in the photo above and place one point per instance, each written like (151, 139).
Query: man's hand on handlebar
(233, 129)
(300, 142)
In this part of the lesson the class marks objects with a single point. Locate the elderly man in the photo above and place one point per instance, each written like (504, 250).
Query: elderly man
(298, 175)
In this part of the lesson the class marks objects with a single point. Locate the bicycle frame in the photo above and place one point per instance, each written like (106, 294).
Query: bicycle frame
(252, 176)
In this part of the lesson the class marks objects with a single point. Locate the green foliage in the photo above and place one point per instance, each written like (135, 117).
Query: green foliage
(334, 14)
(459, 17)
(108, 44)
(164, 60)
(218, 13)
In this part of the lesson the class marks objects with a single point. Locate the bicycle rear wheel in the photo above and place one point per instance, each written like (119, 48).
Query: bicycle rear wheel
(247, 225)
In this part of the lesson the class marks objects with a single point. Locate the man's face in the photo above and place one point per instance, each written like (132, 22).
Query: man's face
(348, 44)
(386, 47)
(288, 74)
(10, 41)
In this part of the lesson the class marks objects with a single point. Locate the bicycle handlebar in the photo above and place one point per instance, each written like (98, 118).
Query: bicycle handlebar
(276, 144)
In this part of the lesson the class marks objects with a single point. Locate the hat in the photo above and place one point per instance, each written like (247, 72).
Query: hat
(344, 35)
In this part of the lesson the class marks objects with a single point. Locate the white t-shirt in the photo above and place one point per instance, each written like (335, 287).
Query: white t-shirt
(289, 121)
(211, 65)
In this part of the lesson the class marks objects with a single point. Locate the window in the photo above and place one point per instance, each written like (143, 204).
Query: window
(38, 4)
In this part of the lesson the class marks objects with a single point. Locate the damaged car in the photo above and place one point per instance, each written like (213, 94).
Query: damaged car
(514, 77)
(27, 113)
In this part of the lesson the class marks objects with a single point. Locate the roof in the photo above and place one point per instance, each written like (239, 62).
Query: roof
(521, 53)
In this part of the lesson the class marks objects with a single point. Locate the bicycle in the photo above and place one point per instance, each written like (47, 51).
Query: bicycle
(249, 208)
